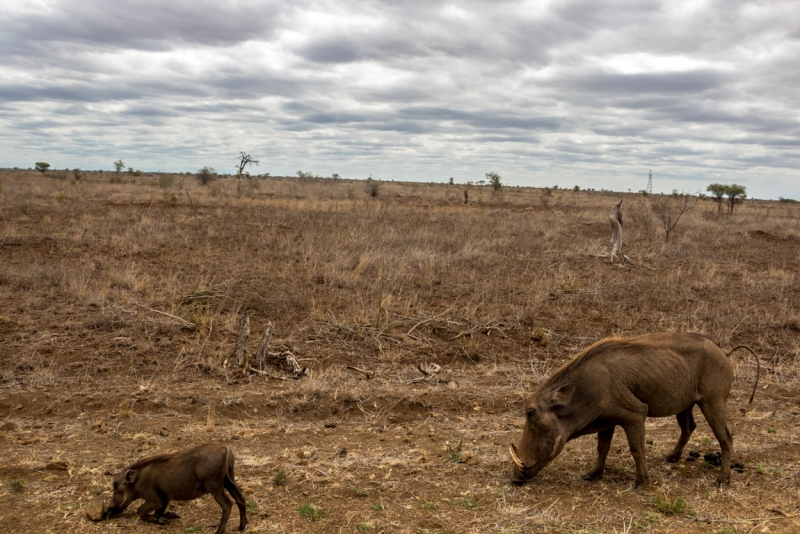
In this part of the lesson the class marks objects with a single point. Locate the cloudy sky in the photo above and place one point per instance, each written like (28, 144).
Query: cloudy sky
(545, 93)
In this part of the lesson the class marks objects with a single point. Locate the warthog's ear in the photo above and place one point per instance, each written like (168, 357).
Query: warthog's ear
(130, 476)
(562, 395)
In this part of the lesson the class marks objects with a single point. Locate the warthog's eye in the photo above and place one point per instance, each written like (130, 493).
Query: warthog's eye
(531, 414)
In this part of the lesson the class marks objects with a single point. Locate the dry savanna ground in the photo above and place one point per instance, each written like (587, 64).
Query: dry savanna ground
(120, 301)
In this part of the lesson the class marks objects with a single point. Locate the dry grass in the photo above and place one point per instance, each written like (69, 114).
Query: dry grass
(119, 300)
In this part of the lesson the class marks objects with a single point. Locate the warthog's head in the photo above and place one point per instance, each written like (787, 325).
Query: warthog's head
(541, 441)
(123, 492)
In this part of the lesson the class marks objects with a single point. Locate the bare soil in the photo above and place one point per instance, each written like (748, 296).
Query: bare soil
(120, 299)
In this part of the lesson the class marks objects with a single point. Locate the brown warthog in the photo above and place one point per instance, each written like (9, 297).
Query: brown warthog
(181, 476)
(622, 382)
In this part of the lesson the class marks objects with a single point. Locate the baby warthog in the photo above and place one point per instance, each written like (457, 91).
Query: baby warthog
(621, 382)
(181, 476)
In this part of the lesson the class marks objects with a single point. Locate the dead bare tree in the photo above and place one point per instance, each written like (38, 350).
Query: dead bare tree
(670, 208)
(245, 159)
(615, 219)
(239, 354)
(283, 360)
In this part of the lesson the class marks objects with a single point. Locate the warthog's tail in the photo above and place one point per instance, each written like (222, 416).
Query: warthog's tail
(229, 463)
(758, 367)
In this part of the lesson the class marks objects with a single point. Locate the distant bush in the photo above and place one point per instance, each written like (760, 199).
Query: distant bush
(42, 166)
(372, 187)
(206, 175)
(787, 200)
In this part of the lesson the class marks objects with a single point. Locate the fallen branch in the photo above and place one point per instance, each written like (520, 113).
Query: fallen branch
(429, 319)
(186, 324)
(369, 374)
(429, 372)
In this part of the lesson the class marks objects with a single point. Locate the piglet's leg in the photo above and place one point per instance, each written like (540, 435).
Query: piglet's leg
(236, 493)
(146, 509)
(216, 490)
(162, 512)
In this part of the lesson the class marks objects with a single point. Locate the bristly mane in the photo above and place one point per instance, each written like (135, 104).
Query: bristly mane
(144, 462)
(588, 353)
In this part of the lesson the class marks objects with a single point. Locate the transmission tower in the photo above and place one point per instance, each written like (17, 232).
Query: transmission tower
(650, 183)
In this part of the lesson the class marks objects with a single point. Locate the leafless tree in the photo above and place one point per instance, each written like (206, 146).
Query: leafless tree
(245, 159)
(670, 208)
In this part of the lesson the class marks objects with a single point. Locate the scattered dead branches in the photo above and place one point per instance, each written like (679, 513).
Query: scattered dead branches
(283, 361)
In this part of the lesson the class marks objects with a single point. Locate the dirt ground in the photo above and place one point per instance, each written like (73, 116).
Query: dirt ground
(120, 301)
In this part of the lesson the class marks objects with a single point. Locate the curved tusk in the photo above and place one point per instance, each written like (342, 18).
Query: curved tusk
(515, 458)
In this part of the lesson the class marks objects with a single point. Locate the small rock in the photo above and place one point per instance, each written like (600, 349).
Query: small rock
(343, 452)
(8, 425)
(163, 433)
(330, 424)
(18, 407)
(452, 385)
(97, 510)
(57, 465)
(694, 454)
(472, 459)
(738, 465)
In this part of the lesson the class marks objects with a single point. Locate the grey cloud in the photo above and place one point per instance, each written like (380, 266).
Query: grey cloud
(418, 88)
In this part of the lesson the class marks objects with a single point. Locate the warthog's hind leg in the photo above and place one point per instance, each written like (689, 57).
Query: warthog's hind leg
(687, 424)
(236, 493)
(218, 493)
(716, 415)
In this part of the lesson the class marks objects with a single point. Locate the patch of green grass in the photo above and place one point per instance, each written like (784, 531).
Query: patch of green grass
(365, 527)
(469, 504)
(760, 468)
(252, 507)
(566, 288)
(772, 430)
(361, 492)
(707, 441)
(378, 506)
(668, 506)
(778, 472)
(71, 506)
(18, 484)
(193, 528)
(430, 506)
(454, 453)
(648, 520)
(280, 479)
(311, 511)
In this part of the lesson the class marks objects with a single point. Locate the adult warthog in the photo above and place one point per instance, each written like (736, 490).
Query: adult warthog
(622, 382)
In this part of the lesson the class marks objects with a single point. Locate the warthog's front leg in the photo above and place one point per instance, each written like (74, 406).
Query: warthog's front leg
(634, 431)
(604, 438)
